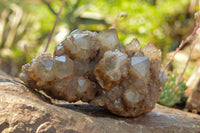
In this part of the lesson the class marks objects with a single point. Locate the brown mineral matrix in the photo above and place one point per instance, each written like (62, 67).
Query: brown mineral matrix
(95, 68)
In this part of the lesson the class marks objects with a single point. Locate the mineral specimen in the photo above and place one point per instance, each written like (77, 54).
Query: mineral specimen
(95, 68)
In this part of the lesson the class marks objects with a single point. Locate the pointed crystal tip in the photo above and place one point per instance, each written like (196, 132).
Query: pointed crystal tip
(151, 51)
(132, 47)
(140, 66)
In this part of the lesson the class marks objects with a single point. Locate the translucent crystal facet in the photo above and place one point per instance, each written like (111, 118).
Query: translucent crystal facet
(63, 66)
(109, 39)
(60, 50)
(111, 68)
(151, 51)
(42, 68)
(139, 66)
(132, 47)
(82, 41)
(131, 97)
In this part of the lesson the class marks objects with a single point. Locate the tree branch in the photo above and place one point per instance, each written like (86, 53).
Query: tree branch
(50, 8)
(183, 42)
(50, 36)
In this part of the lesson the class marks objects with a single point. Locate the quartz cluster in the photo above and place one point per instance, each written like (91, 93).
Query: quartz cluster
(95, 68)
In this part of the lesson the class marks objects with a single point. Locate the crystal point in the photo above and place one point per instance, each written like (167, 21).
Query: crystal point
(151, 51)
(132, 47)
(140, 66)
(63, 66)
(109, 39)
(82, 41)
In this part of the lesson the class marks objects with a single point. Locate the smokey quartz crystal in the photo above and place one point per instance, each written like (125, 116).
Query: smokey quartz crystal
(95, 68)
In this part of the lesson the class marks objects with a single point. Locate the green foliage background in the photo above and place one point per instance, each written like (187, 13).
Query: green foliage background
(162, 22)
